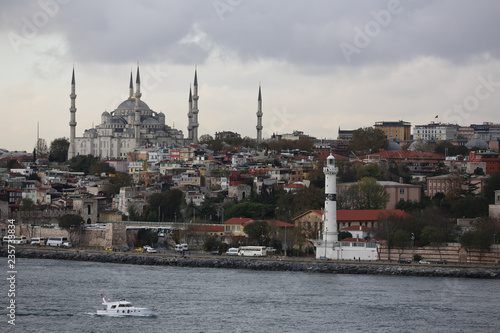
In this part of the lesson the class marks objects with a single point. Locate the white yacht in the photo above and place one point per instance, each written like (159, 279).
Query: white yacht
(123, 308)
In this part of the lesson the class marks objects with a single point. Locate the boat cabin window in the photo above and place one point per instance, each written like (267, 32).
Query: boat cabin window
(113, 306)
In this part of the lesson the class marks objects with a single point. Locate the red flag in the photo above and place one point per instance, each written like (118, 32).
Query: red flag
(435, 116)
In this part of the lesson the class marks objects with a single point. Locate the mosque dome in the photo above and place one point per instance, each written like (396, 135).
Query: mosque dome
(393, 146)
(477, 143)
(129, 104)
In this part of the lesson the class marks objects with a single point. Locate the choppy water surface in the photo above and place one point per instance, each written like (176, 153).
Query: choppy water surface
(62, 296)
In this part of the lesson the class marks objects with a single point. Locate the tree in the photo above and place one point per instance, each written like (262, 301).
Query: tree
(81, 163)
(258, 231)
(98, 167)
(366, 194)
(59, 150)
(41, 147)
(432, 235)
(344, 235)
(27, 205)
(368, 140)
(121, 179)
(71, 223)
(491, 185)
(146, 237)
(206, 138)
(250, 210)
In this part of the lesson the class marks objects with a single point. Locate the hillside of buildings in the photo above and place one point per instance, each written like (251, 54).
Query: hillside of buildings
(440, 185)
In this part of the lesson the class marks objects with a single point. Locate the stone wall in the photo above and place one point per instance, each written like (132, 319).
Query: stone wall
(451, 252)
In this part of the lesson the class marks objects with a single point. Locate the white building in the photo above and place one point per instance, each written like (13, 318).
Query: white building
(435, 132)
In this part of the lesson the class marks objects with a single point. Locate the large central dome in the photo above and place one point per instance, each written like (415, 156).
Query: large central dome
(129, 104)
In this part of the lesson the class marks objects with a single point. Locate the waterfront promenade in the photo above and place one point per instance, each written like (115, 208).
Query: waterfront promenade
(198, 259)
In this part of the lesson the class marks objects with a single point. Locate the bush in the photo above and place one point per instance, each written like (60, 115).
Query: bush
(417, 257)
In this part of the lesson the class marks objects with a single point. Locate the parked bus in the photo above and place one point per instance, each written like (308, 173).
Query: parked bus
(252, 251)
(56, 241)
(15, 240)
(38, 241)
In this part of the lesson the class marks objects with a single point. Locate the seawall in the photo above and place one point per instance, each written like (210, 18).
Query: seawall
(263, 265)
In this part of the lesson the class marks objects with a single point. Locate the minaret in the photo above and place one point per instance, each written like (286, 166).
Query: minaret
(137, 120)
(190, 115)
(72, 121)
(259, 118)
(330, 234)
(131, 86)
(195, 110)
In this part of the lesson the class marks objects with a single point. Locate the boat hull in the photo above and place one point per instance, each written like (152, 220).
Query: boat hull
(134, 312)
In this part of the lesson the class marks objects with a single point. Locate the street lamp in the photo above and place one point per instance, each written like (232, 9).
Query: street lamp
(285, 241)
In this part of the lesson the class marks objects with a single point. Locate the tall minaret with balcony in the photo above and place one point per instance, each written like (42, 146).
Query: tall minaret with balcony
(190, 116)
(259, 118)
(137, 109)
(194, 111)
(72, 121)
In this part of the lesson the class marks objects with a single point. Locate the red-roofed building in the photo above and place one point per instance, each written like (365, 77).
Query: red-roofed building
(419, 163)
(234, 226)
(210, 230)
(311, 222)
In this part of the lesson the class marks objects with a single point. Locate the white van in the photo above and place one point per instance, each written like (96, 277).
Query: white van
(184, 247)
(38, 241)
(233, 251)
(56, 241)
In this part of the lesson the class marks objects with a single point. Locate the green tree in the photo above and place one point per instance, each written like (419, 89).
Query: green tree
(432, 235)
(258, 231)
(71, 223)
(368, 140)
(27, 205)
(491, 185)
(81, 163)
(366, 194)
(146, 237)
(121, 179)
(98, 167)
(58, 151)
(344, 235)
(250, 210)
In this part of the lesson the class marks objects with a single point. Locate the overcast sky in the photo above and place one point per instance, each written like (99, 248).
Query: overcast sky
(322, 64)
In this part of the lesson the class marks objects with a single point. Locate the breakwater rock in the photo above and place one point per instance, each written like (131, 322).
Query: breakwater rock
(263, 265)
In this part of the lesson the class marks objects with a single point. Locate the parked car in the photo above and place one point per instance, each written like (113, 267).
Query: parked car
(124, 249)
(441, 262)
(66, 245)
(233, 251)
(404, 261)
(149, 249)
(108, 249)
(216, 252)
(423, 261)
(270, 249)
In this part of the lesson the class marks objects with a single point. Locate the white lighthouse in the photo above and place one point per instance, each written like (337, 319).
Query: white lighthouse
(330, 232)
(328, 247)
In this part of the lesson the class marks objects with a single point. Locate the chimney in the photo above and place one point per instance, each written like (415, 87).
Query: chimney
(401, 180)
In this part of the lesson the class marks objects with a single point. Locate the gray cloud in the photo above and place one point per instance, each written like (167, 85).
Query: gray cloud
(300, 32)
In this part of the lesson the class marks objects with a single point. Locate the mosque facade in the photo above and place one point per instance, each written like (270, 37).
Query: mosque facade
(133, 124)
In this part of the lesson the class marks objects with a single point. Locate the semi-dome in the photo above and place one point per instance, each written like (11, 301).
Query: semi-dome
(116, 120)
(151, 121)
(393, 146)
(477, 143)
(129, 104)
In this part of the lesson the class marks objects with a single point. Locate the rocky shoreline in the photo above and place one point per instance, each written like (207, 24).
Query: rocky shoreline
(267, 265)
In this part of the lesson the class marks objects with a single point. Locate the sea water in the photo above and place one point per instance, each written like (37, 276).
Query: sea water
(62, 296)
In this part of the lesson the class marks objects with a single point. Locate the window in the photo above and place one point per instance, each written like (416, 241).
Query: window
(401, 191)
